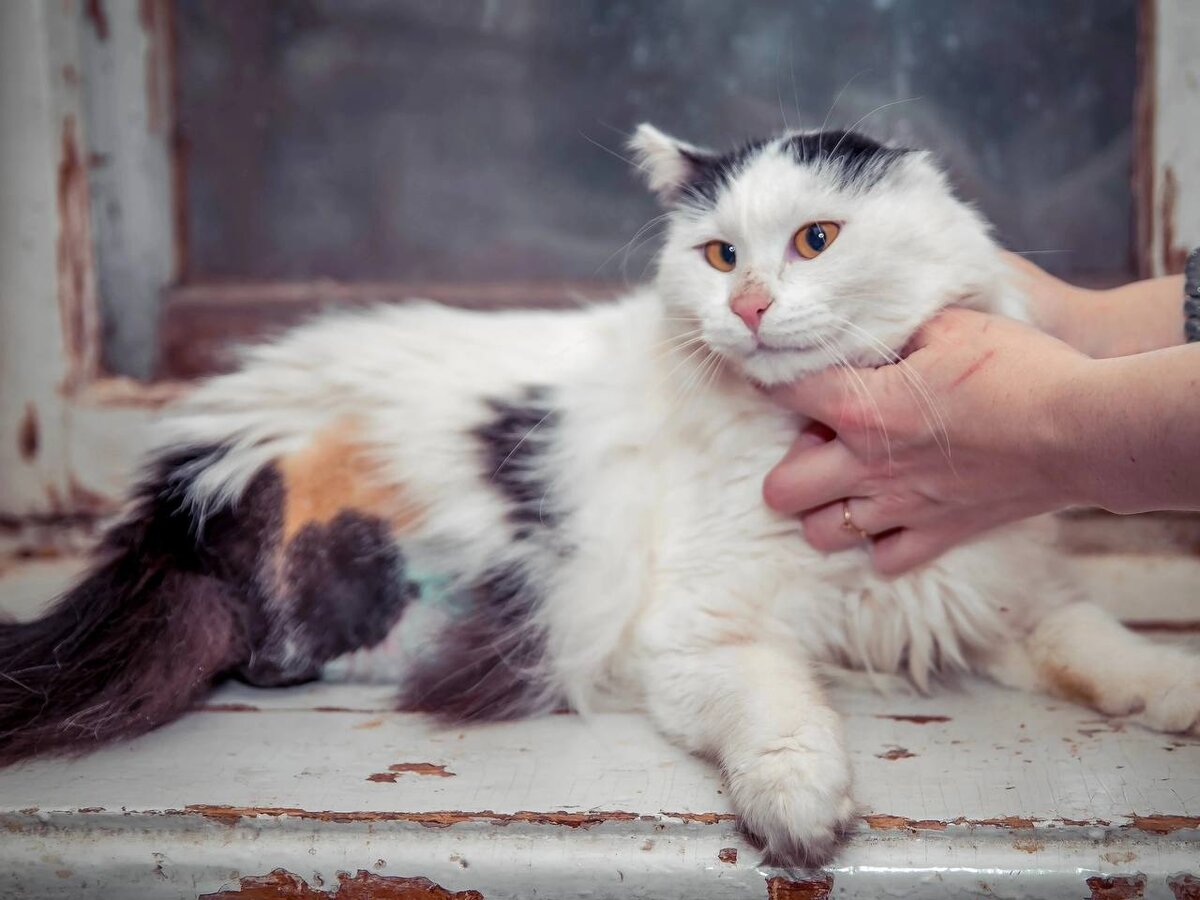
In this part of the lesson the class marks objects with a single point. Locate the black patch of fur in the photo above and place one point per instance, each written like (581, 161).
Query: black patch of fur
(711, 173)
(514, 443)
(858, 161)
(343, 587)
(487, 666)
(169, 606)
(134, 642)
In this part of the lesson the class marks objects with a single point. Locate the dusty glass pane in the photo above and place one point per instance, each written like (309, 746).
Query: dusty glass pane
(461, 139)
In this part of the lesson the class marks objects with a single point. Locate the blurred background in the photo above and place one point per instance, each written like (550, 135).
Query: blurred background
(179, 176)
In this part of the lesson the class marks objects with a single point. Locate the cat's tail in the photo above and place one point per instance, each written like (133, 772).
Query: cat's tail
(130, 646)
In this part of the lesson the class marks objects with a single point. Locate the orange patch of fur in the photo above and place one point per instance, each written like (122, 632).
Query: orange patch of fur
(335, 473)
(1070, 685)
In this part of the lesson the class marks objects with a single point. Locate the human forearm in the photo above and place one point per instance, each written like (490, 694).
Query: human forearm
(1133, 318)
(1129, 429)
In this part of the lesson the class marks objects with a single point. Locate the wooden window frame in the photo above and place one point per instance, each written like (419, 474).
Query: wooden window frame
(93, 90)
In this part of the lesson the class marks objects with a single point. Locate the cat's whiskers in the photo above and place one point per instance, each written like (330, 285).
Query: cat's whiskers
(926, 401)
(861, 392)
(837, 98)
(627, 248)
(862, 119)
(611, 152)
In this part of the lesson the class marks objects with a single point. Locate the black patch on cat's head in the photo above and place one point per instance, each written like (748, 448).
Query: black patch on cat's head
(712, 173)
(855, 160)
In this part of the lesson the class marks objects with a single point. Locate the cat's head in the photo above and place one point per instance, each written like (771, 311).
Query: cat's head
(804, 250)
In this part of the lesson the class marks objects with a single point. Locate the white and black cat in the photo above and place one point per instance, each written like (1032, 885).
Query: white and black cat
(589, 482)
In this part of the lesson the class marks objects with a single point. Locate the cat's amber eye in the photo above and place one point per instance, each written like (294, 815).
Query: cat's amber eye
(720, 255)
(814, 238)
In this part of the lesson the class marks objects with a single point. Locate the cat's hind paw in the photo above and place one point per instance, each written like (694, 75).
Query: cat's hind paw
(794, 800)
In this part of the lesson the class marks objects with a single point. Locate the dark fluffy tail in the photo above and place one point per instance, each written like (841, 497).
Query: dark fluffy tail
(131, 646)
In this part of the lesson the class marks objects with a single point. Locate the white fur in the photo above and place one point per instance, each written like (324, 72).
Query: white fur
(682, 590)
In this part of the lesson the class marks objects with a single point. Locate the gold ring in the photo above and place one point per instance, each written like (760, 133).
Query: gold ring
(849, 524)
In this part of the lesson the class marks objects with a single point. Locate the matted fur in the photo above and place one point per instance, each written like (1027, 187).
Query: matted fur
(589, 483)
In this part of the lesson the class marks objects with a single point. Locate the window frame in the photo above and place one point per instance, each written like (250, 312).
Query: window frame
(99, 136)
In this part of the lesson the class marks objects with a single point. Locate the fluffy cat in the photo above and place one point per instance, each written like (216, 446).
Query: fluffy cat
(589, 482)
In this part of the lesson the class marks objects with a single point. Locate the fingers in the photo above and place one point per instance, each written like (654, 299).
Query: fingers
(826, 528)
(901, 551)
(811, 476)
(824, 396)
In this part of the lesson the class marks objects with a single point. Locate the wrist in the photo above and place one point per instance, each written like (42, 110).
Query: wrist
(1071, 445)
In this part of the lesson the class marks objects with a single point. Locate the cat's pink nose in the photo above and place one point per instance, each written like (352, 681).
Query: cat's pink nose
(750, 305)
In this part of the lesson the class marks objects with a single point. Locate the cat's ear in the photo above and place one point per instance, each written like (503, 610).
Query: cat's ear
(667, 164)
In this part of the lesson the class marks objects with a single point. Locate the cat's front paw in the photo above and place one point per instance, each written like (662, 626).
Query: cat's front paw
(1169, 700)
(794, 796)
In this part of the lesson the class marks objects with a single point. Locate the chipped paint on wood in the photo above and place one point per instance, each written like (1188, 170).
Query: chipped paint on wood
(1164, 824)
(1117, 887)
(29, 437)
(76, 266)
(916, 720)
(896, 753)
(700, 818)
(281, 884)
(95, 13)
(1184, 887)
(817, 888)
(232, 815)
(1172, 105)
(1174, 253)
(398, 769)
(728, 855)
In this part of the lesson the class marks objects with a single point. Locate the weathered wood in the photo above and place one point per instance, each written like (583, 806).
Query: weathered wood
(129, 70)
(1028, 796)
(1175, 110)
(202, 324)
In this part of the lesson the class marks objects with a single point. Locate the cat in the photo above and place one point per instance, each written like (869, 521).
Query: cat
(588, 483)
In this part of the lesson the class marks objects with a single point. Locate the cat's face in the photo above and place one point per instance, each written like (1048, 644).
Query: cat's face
(802, 251)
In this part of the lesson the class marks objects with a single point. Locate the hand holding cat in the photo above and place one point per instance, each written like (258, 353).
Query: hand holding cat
(959, 437)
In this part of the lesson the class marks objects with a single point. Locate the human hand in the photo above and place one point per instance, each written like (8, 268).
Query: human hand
(958, 438)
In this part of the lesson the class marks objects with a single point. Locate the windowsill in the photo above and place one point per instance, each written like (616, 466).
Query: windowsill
(977, 784)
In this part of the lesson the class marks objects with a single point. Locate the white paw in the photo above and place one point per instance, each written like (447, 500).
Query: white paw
(794, 796)
(1169, 698)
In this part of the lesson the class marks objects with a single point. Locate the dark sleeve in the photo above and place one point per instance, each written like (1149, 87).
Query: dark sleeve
(1191, 300)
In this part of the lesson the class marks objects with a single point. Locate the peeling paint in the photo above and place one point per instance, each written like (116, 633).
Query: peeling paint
(280, 884)
(1184, 887)
(884, 822)
(1117, 887)
(700, 818)
(232, 815)
(154, 17)
(28, 437)
(1174, 256)
(808, 889)
(1028, 845)
(395, 771)
(728, 855)
(896, 753)
(94, 11)
(916, 720)
(1164, 824)
(75, 264)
